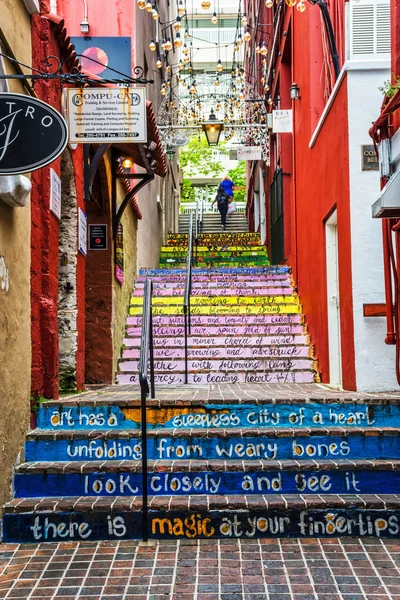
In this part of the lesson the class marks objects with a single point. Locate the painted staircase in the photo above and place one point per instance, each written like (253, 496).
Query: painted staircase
(247, 325)
(242, 460)
(236, 222)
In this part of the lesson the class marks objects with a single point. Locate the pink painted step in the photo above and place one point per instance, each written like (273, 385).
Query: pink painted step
(217, 284)
(223, 365)
(215, 342)
(238, 377)
(228, 330)
(179, 292)
(202, 320)
(224, 353)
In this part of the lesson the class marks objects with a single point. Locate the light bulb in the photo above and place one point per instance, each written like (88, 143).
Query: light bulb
(127, 163)
(269, 3)
(168, 68)
(214, 19)
(154, 13)
(247, 36)
(220, 67)
(266, 88)
(184, 49)
(186, 59)
(239, 40)
(270, 101)
(178, 41)
(178, 24)
(217, 82)
(244, 19)
(141, 4)
(159, 63)
(168, 45)
(206, 4)
(291, 3)
(163, 91)
(180, 65)
(149, 7)
(239, 80)
(258, 50)
(192, 90)
(301, 7)
(181, 8)
(184, 84)
(187, 34)
(235, 47)
(152, 45)
(264, 49)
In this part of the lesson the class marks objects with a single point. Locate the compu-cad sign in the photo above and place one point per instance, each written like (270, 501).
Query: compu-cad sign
(32, 134)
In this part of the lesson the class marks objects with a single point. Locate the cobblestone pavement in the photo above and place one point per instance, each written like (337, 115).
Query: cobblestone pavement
(268, 569)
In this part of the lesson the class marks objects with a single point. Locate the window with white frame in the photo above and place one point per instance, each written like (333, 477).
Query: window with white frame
(369, 29)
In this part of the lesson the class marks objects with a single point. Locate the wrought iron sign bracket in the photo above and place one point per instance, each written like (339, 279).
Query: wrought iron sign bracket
(75, 76)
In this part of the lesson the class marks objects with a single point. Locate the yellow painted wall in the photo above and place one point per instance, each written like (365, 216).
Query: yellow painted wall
(15, 341)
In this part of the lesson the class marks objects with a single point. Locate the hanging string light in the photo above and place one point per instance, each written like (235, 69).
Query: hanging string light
(141, 4)
(181, 8)
(152, 45)
(187, 34)
(149, 7)
(178, 41)
(264, 49)
(217, 82)
(258, 49)
(219, 67)
(178, 24)
(239, 41)
(214, 18)
(205, 4)
(301, 7)
(244, 20)
(168, 45)
(247, 35)
(269, 3)
(154, 13)
(159, 63)
(291, 2)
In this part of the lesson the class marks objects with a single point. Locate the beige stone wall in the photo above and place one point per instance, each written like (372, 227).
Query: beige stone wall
(15, 342)
(122, 293)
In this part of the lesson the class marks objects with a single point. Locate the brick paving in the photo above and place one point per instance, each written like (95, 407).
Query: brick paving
(268, 569)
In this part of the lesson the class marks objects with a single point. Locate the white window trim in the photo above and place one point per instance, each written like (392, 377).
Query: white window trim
(32, 6)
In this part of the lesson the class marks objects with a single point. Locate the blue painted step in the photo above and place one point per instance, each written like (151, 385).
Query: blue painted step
(275, 444)
(219, 416)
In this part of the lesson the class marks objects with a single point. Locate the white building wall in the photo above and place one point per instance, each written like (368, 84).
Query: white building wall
(375, 361)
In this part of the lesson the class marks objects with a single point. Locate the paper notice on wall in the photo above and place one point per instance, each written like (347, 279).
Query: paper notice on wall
(55, 194)
(282, 121)
(82, 232)
(249, 153)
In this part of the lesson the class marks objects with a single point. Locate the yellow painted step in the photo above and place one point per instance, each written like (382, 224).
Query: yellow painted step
(218, 300)
(272, 309)
(217, 248)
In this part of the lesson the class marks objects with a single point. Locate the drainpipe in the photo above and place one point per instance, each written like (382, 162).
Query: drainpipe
(294, 162)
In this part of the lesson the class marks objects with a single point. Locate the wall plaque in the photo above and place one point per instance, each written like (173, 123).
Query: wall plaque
(32, 134)
(98, 237)
(370, 160)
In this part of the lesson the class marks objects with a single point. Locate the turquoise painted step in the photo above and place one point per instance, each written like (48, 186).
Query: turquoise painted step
(61, 416)
(329, 477)
(270, 444)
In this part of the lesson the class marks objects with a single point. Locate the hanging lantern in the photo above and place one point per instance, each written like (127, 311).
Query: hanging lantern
(247, 36)
(152, 45)
(178, 41)
(214, 19)
(159, 63)
(205, 4)
(213, 128)
(181, 8)
(219, 67)
(141, 4)
(178, 24)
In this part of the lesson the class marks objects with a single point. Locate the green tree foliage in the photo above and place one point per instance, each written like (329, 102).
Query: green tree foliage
(238, 175)
(187, 191)
(197, 156)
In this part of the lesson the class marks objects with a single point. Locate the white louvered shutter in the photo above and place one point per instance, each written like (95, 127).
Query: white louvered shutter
(369, 29)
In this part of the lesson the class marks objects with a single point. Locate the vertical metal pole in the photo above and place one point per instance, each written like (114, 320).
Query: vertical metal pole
(145, 500)
(152, 378)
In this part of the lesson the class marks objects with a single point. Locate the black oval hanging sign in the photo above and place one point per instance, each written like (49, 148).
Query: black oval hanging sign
(32, 134)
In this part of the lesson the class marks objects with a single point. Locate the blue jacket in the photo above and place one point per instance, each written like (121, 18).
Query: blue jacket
(227, 186)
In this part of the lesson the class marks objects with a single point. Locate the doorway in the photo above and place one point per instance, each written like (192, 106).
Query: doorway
(332, 272)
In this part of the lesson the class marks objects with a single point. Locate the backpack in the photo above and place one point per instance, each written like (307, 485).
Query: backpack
(222, 197)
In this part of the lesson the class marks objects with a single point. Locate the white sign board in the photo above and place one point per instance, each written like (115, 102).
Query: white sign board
(249, 153)
(82, 232)
(55, 194)
(106, 115)
(282, 121)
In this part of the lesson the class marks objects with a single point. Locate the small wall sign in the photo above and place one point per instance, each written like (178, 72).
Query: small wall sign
(106, 115)
(32, 134)
(55, 194)
(82, 232)
(249, 153)
(282, 121)
(370, 160)
(98, 237)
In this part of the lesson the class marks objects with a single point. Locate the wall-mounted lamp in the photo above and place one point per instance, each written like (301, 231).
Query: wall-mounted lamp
(294, 91)
(85, 23)
(126, 163)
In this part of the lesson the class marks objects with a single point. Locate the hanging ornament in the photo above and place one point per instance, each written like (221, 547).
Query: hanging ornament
(247, 35)
(149, 7)
(181, 8)
(206, 4)
(159, 63)
(219, 67)
(141, 4)
(152, 45)
(214, 19)
(154, 13)
(178, 41)
(264, 49)
(301, 7)
(178, 24)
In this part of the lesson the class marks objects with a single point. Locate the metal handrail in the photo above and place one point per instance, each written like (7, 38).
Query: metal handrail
(196, 229)
(188, 291)
(146, 358)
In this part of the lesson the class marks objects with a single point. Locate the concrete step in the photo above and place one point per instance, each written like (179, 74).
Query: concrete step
(197, 516)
